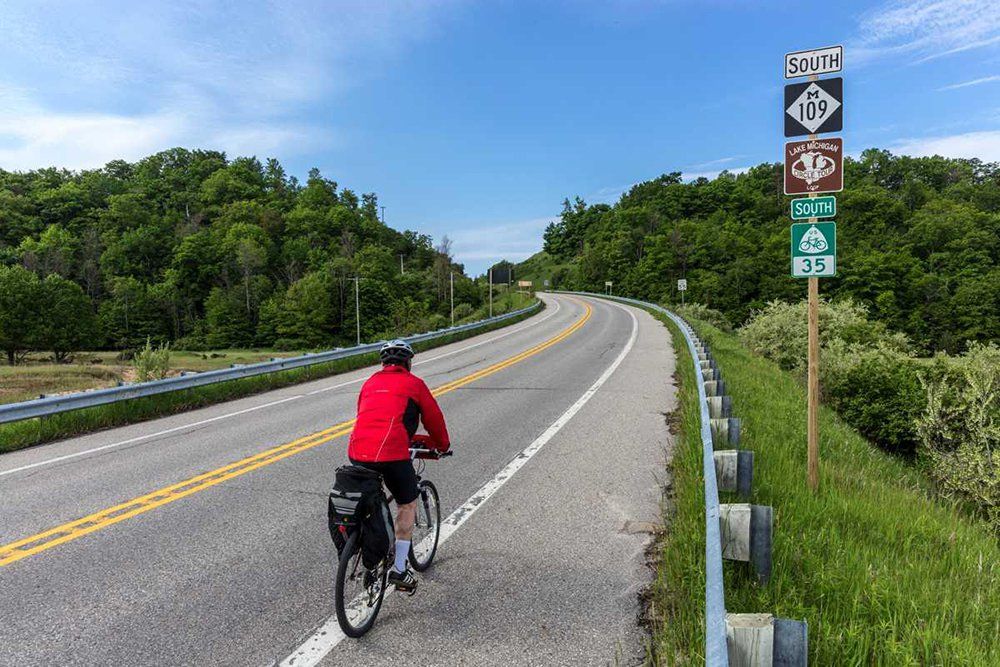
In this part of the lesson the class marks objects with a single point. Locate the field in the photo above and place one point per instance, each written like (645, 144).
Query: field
(93, 370)
(884, 573)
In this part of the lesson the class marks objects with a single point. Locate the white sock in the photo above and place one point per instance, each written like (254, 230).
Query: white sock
(402, 553)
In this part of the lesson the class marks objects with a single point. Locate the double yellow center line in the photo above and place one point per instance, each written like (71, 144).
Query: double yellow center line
(67, 532)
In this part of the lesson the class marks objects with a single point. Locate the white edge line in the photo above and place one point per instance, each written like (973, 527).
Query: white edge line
(328, 634)
(196, 424)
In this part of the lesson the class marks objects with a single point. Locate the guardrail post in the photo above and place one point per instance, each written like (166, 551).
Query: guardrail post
(761, 640)
(734, 470)
(746, 536)
(725, 431)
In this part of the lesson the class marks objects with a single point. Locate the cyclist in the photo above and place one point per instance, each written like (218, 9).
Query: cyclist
(392, 403)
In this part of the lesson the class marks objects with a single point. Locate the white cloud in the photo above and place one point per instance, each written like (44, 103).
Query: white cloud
(482, 245)
(974, 82)
(606, 195)
(926, 29)
(983, 145)
(712, 163)
(710, 175)
(83, 84)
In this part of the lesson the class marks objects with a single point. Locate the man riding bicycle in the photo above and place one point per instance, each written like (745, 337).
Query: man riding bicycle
(391, 405)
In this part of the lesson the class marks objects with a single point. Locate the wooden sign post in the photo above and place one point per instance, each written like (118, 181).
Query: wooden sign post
(813, 167)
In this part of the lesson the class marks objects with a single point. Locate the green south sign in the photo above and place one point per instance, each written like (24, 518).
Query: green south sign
(814, 249)
(814, 207)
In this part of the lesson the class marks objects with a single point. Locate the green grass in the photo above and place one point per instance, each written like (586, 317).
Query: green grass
(30, 432)
(884, 573)
(540, 267)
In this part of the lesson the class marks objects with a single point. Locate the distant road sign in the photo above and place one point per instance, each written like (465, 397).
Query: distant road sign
(814, 107)
(815, 165)
(814, 249)
(826, 60)
(682, 285)
(814, 207)
(524, 283)
(608, 283)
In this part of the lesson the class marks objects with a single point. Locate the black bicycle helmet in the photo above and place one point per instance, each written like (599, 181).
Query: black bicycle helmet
(396, 352)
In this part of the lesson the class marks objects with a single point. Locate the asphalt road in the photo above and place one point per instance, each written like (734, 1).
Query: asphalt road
(202, 539)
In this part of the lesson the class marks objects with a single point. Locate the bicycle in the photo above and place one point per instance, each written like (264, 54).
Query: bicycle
(359, 591)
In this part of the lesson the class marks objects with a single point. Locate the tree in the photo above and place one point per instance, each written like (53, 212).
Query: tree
(246, 246)
(69, 323)
(21, 318)
(52, 252)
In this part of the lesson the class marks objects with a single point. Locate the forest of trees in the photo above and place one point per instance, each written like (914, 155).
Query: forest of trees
(918, 243)
(191, 248)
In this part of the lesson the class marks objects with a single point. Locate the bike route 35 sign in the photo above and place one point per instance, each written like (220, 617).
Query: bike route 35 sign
(814, 107)
(814, 249)
(814, 166)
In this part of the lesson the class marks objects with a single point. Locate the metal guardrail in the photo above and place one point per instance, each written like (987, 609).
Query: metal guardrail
(716, 651)
(51, 405)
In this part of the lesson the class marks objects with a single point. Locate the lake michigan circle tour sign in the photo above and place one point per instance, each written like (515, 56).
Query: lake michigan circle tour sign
(814, 166)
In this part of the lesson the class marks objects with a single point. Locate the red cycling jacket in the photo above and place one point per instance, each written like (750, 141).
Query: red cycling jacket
(391, 405)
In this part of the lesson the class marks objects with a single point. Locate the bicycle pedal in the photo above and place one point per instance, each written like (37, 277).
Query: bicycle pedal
(410, 592)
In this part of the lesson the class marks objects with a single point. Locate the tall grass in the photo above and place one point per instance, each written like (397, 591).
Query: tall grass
(30, 432)
(884, 573)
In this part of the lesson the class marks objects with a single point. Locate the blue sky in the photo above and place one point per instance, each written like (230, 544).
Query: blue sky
(475, 119)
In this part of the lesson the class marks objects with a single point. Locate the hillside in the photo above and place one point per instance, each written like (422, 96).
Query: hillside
(918, 240)
(193, 248)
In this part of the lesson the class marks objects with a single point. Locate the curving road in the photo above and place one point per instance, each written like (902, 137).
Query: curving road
(200, 538)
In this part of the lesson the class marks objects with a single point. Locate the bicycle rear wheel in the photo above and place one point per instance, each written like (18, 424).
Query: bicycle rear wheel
(359, 592)
(427, 528)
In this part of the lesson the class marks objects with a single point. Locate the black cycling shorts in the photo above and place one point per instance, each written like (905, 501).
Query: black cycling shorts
(399, 476)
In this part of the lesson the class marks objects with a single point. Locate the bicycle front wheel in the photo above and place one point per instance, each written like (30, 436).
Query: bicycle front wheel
(359, 591)
(427, 528)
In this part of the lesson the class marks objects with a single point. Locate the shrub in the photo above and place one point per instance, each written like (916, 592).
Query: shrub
(959, 431)
(152, 363)
(462, 311)
(877, 391)
(780, 331)
(699, 311)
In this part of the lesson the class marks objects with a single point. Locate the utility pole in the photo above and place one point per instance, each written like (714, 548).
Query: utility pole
(402, 271)
(452, 280)
(491, 290)
(383, 214)
(357, 306)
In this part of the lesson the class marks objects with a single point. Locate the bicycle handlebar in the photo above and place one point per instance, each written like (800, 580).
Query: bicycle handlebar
(426, 453)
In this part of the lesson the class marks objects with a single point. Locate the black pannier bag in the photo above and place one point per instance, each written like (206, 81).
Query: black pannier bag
(356, 500)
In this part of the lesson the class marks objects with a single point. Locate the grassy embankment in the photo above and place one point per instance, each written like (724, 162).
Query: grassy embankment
(30, 432)
(883, 572)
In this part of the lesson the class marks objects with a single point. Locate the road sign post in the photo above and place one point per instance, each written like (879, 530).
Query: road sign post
(813, 167)
(682, 286)
(608, 284)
